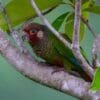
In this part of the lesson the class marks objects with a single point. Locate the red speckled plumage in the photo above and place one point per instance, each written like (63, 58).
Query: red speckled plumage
(33, 38)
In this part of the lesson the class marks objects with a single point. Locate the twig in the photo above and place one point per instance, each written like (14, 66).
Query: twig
(14, 33)
(94, 56)
(84, 21)
(45, 21)
(75, 42)
(61, 81)
(89, 26)
(96, 51)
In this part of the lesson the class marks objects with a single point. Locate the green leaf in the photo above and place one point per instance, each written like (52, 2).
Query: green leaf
(85, 1)
(94, 9)
(85, 5)
(58, 22)
(96, 81)
(21, 10)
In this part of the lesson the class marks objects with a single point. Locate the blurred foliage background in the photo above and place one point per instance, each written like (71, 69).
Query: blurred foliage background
(14, 86)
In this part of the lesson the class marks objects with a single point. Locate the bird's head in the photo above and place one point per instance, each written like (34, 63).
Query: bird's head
(34, 32)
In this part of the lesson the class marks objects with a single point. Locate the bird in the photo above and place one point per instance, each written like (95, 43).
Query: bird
(47, 46)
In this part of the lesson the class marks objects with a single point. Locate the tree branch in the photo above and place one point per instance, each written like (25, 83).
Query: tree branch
(95, 61)
(75, 43)
(87, 68)
(84, 21)
(45, 21)
(61, 81)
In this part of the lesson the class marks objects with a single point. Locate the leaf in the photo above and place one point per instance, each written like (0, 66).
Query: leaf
(88, 3)
(85, 5)
(85, 1)
(19, 11)
(58, 22)
(94, 9)
(96, 81)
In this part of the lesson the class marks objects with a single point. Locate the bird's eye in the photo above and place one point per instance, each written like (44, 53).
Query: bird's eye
(33, 31)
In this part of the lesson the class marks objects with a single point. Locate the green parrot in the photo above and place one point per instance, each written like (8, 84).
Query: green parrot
(47, 46)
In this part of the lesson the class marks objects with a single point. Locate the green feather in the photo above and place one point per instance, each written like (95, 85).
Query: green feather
(55, 52)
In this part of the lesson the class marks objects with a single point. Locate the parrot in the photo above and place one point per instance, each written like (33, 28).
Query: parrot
(47, 46)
